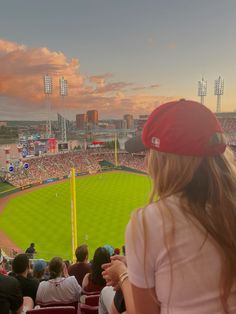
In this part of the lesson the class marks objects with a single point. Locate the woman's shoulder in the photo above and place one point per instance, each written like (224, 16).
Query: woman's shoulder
(87, 276)
(159, 208)
(42, 284)
(70, 279)
(86, 280)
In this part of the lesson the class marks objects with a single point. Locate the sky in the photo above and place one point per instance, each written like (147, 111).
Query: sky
(119, 56)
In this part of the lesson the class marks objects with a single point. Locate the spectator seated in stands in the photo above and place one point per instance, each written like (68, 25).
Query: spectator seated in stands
(94, 281)
(82, 267)
(2, 264)
(21, 271)
(109, 249)
(106, 300)
(60, 288)
(11, 298)
(39, 268)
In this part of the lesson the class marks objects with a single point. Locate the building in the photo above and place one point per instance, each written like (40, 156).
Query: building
(81, 121)
(141, 121)
(129, 121)
(119, 124)
(92, 117)
(3, 123)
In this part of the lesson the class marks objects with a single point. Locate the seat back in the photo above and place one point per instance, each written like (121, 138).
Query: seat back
(54, 310)
(74, 304)
(92, 300)
(90, 293)
(87, 309)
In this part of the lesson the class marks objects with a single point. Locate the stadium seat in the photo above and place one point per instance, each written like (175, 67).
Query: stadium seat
(90, 306)
(74, 304)
(87, 309)
(91, 293)
(53, 310)
(92, 300)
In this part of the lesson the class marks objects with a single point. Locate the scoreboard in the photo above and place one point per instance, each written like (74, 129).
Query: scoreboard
(62, 146)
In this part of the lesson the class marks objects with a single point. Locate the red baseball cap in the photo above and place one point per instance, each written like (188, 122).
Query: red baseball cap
(182, 127)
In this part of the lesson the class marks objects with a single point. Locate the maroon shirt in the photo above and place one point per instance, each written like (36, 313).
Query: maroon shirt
(79, 270)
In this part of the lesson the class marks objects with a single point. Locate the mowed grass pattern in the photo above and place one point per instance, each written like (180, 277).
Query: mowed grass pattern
(104, 204)
(5, 187)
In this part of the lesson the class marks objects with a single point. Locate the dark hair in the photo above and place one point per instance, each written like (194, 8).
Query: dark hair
(81, 253)
(20, 263)
(32, 244)
(101, 256)
(55, 267)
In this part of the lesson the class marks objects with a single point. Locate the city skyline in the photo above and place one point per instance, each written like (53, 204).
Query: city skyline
(119, 57)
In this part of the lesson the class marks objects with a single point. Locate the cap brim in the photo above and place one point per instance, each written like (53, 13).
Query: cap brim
(135, 145)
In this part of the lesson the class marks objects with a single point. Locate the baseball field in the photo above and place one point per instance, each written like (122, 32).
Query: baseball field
(104, 204)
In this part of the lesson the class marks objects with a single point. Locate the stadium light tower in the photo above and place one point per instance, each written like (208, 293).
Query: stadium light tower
(63, 92)
(48, 92)
(219, 91)
(202, 89)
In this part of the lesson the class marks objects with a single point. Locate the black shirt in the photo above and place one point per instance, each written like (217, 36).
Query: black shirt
(29, 286)
(10, 294)
(30, 252)
(119, 301)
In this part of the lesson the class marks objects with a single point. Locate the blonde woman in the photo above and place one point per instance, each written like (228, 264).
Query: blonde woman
(181, 248)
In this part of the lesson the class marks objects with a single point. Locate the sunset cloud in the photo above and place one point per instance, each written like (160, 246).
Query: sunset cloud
(21, 85)
(146, 87)
(100, 80)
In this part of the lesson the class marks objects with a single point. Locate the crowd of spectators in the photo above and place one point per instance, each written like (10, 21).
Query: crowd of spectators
(37, 283)
(228, 124)
(59, 165)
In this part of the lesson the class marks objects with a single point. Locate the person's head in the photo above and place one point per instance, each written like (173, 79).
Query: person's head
(109, 249)
(39, 267)
(32, 244)
(56, 266)
(20, 264)
(116, 251)
(101, 256)
(186, 156)
(81, 253)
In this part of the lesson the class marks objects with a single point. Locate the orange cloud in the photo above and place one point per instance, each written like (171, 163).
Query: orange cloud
(146, 87)
(21, 84)
(100, 80)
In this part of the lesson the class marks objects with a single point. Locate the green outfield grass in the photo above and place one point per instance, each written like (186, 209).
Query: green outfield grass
(104, 204)
(5, 187)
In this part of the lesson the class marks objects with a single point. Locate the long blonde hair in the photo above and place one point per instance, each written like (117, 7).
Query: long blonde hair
(207, 189)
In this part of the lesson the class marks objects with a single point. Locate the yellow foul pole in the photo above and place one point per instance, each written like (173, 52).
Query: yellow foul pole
(73, 213)
(116, 159)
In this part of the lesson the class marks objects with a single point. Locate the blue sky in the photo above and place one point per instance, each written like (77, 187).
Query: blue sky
(170, 43)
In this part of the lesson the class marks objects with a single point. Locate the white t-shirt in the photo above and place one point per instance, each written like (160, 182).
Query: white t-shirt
(196, 264)
(60, 290)
(105, 300)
